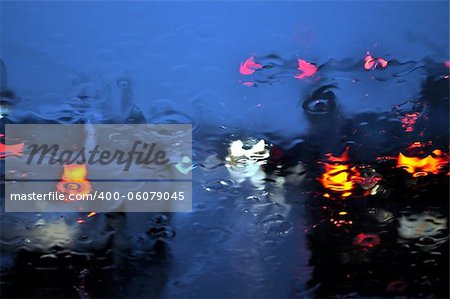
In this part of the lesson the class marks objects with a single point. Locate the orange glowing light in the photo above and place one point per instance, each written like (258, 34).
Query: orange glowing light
(336, 178)
(74, 180)
(341, 219)
(415, 145)
(339, 223)
(371, 63)
(383, 62)
(7, 150)
(433, 164)
(249, 66)
(81, 220)
(307, 69)
(342, 158)
(409, 120)
(75, 172)
(339, 176)
(438, 152)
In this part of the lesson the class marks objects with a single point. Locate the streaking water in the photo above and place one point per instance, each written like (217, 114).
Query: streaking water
(260, 227)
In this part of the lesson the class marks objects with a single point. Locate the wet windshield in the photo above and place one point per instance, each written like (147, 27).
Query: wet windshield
(319, 147)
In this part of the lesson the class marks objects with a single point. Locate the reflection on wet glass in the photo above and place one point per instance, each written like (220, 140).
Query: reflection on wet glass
(314, 177)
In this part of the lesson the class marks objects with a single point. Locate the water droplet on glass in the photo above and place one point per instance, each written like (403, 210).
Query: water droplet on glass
(218, 185)
(318, 106)
(408, 107)
(40, 222)
(272, 260)
(252, 199)
(276, 225)
(160, 219)
(123, 83)
(322, 101)
(161, 232)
